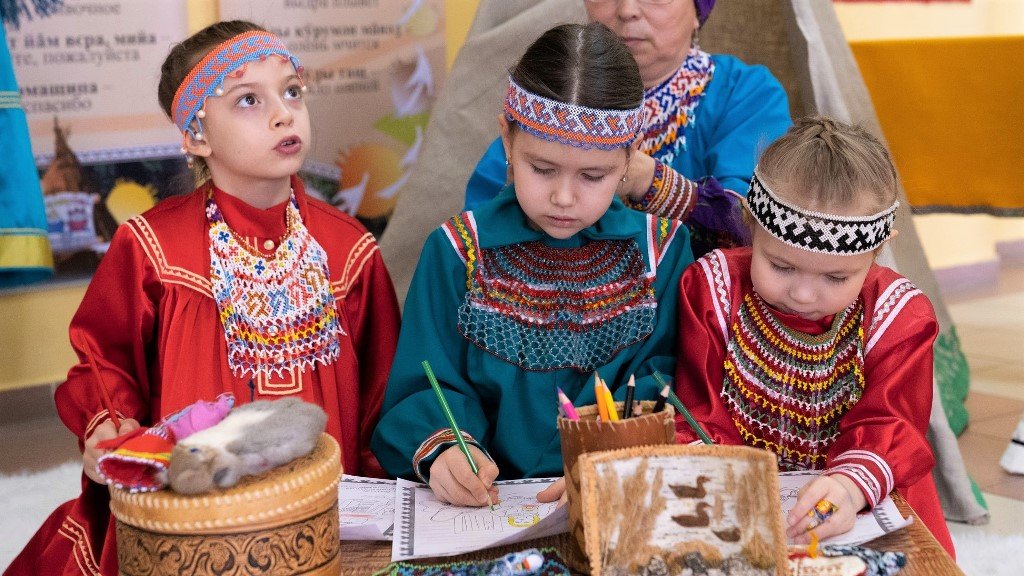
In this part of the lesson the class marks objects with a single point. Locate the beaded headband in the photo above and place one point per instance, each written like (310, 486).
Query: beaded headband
(206, 78)
(572, 124)
(817, 231)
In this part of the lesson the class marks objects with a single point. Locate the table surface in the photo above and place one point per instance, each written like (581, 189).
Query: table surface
(925, 557)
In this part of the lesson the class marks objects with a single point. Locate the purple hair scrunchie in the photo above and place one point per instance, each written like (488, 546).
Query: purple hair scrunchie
(703, 9)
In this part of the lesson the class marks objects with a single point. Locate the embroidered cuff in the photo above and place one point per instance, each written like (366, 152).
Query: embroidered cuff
(98, 419)
(867, 470)
(432, 447)
(671, 195)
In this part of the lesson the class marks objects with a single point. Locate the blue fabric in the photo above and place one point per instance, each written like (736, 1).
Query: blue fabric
(21, 197)
(511, 412)
(744, 110)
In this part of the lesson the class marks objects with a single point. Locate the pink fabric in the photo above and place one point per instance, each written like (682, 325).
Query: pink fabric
(200, 416)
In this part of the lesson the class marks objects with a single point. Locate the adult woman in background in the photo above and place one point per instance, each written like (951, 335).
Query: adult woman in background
(707, 117)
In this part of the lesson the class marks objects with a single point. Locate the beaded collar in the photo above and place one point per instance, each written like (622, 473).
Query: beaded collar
(786, 390)
(278, 311)
(670, 107)
(543, 307)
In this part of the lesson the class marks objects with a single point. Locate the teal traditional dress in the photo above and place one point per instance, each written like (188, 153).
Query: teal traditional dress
(505, 314)
(24, 247)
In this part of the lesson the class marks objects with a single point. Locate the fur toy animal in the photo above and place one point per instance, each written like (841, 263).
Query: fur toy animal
(252, 439)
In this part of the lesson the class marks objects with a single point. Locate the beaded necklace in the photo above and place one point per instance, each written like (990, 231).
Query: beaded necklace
(788, 390)
(546, 308)
(277, 311)
(670, 107)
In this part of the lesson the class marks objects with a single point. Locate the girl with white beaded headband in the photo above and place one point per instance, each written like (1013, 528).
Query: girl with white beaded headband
(801, 344)
(538, 288)
(244, 286)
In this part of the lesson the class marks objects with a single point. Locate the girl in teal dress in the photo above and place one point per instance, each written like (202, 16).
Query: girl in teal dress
(547, 283)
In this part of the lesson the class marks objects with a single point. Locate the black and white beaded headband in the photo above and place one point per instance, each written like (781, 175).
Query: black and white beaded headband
(817, 231)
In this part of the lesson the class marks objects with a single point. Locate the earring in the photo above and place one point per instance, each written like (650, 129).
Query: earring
(507, 160)
(695, 40)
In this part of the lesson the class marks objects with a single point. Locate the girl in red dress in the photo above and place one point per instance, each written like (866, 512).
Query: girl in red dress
(246, 285)
(801, 344)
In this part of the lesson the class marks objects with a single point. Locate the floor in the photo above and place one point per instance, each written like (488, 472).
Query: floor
(991, 328)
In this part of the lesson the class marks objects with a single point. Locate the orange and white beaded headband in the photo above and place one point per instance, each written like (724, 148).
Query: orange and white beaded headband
(572, 124)
(207, 77)
(818, 231)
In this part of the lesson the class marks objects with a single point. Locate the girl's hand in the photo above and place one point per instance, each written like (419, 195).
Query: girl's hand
(91, 454)
(453, 481)
(841, 492)
(639, 174)
(554, 491)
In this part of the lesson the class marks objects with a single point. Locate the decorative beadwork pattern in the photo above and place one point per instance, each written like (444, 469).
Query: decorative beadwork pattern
(670, 107)
(435, 444)
(208, 75)
(571, 124)
(546, 308)
(817, 231)
(670, 195)
(786, 390)
(278, 311)
(553, 566)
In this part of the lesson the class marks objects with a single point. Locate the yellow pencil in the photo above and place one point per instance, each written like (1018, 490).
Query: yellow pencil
(613, 412)
(602, 410)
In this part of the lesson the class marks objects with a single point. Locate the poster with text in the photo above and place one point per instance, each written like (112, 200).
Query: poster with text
(373, 68)
(87, 76)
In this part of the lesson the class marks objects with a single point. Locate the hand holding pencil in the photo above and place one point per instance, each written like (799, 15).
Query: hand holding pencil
(453, 481)
(458, 478)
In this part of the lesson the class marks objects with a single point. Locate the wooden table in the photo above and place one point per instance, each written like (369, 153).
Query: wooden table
(925, 557)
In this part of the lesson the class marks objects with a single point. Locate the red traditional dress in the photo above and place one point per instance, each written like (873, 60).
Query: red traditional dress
(850, 394)
(153, 320)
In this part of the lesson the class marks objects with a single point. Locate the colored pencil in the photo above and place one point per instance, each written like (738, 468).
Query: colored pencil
(609, 402)
(627, 406)
(659, 405)
(678, 404)
(83, 343)
(451, 420)
(567, 407)
(602, 409)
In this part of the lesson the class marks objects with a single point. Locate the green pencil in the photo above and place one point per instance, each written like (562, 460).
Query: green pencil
(678, 404)
(451, 419)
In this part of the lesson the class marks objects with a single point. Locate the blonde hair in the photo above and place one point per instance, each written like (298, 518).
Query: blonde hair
(826, 165)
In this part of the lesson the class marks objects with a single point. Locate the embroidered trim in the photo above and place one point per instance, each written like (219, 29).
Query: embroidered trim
(670, 195)
(660, 234)
(867, 469)
(888, 307)
(101, 417)
(787, 391)
(716, 272)
(436, 443)
(168, 274)
(817, 231)
(358, 256)
(672, 107)
(571, 124)
(278, 312)
(81, 547)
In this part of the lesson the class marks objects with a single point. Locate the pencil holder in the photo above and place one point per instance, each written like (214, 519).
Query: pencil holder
(589, 434)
